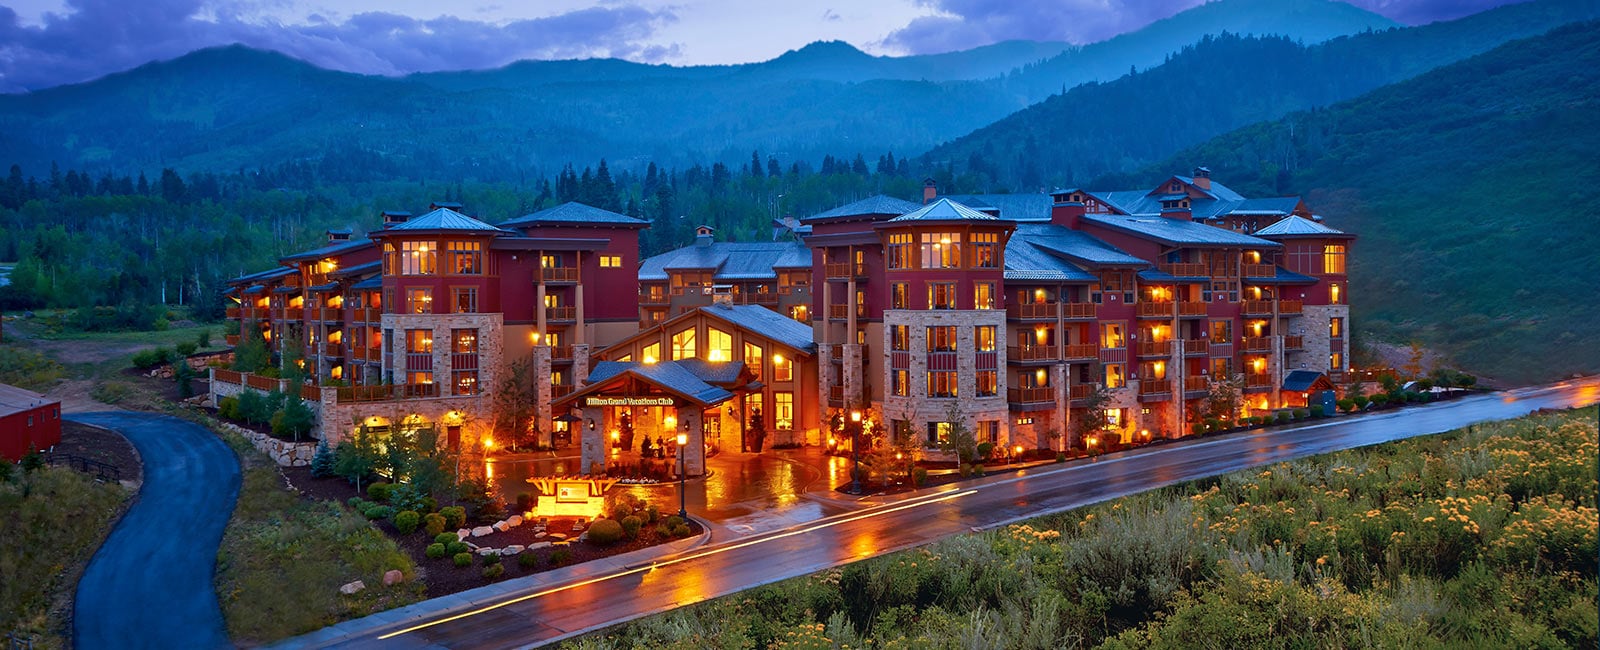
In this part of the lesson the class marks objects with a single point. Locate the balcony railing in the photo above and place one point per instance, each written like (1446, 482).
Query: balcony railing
(842, 312)
(232, 313)
(1032, 311)
(1082, 391)
(1154, 309)
(836, 394)
(1195, 384)
(1030, 395)
(1294, 342)
(845, 270)
(385, 393)
(654, 299)
(332, 350)
(1154, 348)
(561, 313)
(1082, 351)
(1290, 306)
(294, 313)
(1192, 309)
(1077, 310)
(560, 352)
(1256, 306)
(1257, 380)
(559, 391)
(369, 315)
(228, 376)
(420, 361)
(1033, 353)
(756, 298)
(1185, 269)
(560, 274)
(464, 361)
(1196, 346)
(233, 340)
(1257, 344)
(1258, 270)
(1155, 386)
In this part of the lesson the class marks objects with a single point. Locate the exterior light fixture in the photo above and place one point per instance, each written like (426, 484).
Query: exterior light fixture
(683, 476)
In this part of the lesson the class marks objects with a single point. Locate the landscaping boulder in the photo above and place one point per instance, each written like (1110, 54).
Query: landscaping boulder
(538, 545)
(481, 531)
(513, 521)
(488, 550)
(463, 534)
(352, 588)
(558, 536)
(512, 549)
(393, 577)
(499, 526)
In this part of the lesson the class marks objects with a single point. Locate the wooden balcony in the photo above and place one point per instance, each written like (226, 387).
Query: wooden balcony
(1082, 351)
(1027, 353)
(360, 353)
(1196, 347)
(385, 393)
(1257, 380)
(1082, 391)
(845, 270)
(1258, 270)
(232, 313)
(1256, 307)
(1294, 342)
(560, 274)
(561, 314)
(1196, 384)
(836, 351)
(1030, 395)
(1185, 270)
(311, 393)
(560, 352)
(1078, 310)
(559, 391)
(294, 313)
(765, 299)
(332, 350)
(1154, 309)
(1155, 386)
(368, 315)
(233, 340)
(1290, 306)
(1154, 348)
(1032, 311)
(1192, 310)
(1257, 344)
(654, 299)
(842, 312)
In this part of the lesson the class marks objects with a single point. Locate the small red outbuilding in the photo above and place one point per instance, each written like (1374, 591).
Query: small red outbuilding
(28, 420)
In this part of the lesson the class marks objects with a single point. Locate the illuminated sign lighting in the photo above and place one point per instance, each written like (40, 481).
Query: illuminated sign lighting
(627, 401)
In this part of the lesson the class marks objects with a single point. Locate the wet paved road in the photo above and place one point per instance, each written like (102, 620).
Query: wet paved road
(150, 584)
(556, 613)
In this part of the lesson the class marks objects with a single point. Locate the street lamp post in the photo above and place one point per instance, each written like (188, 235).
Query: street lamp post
(683, 477)
(855, 452)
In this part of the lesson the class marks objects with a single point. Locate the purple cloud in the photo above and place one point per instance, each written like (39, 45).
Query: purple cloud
(99, 37)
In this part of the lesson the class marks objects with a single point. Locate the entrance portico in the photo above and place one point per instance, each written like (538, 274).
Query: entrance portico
(623, 401)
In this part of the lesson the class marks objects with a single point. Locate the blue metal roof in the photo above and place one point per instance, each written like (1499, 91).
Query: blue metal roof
(336, 248)
(1014, 207)
(1283, 276)
(573, 212)
(767, 323)
(1292, 225)
(359, 269)
(1027, 261)
(1303, 380)
(729, 261)
(275, 272)
(1177, 232)
(374, 282)
(944, 210)
(1075, 245)
(874, 205)
(445, 219)
(672, 376)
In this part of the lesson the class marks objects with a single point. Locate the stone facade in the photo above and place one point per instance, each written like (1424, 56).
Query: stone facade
(284, 453)
(919, 409)
(1314, 326)
(491, 356)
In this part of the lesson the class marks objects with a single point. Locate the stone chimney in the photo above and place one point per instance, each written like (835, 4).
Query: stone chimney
(1066, 207)
(394, 218)
(703, 235)
(930, 190)
(1202, 178)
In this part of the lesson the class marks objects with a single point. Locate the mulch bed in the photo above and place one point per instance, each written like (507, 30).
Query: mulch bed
(441, 576)
(100, 445)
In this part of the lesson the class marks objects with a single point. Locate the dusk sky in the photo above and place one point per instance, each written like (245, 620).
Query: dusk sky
(50, 42)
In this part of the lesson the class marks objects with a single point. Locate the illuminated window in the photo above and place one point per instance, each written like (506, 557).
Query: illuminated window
(420, 377)
(782, 368)
(942, 295)
(651, 354)
(983, 295)
(464, 382)
(1114, 417)
(783, 411)
(683, 345)
(391, 260)
(983, 338)
(1335, 294)
(719, 345)
(899, 253)
(942, 338)
(1114, 376)
(938, 432)
(800, 313)
(1222, 331)
(466, 257)
(1336, 361)
(753, 356)
(419, 341)
(610, 261)
(1335, 327)
(419, 301)
(942, 383)
(466, 300)
(417, 257)
(1111, 335)
(1221, 368)
(988, 431)
(986, 250)
(988, 383)
(900, 337)
(1333, 259)
(941, 250)
(901, 380)
(900, 296)
(1024, 421)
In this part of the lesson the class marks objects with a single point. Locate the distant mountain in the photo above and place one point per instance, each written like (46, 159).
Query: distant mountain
(1468, 187)
(1218, 85)
(233, 107)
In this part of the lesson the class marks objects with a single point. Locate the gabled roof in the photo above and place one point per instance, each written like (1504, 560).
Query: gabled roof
(944, 210)
(444, 219)
(17, 400)
(374, 282)
(574, 213)
(262, 276)
(1300, 381)
(375, 266)
(1028, 261)
(767, 323)
(729, 261)
(1177, 232)
(875, 205)
(1283, 276)
(1076, 246)
(674, 377)
(336, 248)
(1013, 207)
(1297, 226)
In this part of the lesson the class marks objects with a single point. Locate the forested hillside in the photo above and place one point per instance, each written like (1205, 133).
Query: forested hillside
(1469, 189)
(1218, 85)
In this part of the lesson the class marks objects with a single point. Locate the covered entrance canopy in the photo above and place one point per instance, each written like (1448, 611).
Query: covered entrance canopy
(658, 399)
(1303, 388)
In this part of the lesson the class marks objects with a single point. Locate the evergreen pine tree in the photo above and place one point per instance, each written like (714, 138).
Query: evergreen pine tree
(322, 461)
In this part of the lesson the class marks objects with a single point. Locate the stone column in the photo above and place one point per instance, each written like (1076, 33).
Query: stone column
(850, 375)
(580, 362)
(1175, 378)
(540, 371)
(594, 442)
(580, 335)
(1275, 370)
(542, 326)
(1062, 379)
(693, 453)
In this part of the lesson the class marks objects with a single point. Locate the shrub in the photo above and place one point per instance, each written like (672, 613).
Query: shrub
(203, 339)
(631, 525)
(524, 502)
(446, 538)
(1199, 428)
(652, 514)
(494, 571)
(409, 496)
(1347, 405)
(1316, 411)
(1285, 417)
(605, 532)
(920, 475)
(433, 523)
(462, 559)
(964, 470)
(1061, 457)
(560, 557)
(186, 348)
(379, 512)
(406, 521)
(528, 560)
(453, 548)
(1301, 414)
(357, 503)
(977, 470)
(379, 492)
(434, 551)
(454, 516)
(681, 530)
(489, 559)
(984, 449)
(228, 408)
(147, 359)
(322, 461)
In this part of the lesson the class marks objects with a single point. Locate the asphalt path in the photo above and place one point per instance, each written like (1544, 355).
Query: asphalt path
(547, 614)
(151, 584)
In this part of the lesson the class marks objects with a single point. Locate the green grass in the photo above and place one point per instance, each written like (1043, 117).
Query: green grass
(283, 560)
(28, 369)
(1484, 537)
(51, 522)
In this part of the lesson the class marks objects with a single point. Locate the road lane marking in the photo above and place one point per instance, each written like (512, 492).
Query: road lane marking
(679, 560)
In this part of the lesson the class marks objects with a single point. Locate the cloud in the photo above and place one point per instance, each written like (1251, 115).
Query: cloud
(97, 37)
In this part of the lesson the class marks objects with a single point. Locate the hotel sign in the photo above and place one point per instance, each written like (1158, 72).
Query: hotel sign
(627, 401)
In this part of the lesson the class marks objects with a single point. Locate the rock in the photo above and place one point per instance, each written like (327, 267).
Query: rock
(393, 577)
(481, 531)
(352, 588)
(511, 550)
(558, 536)
(540, 534)
(488, 550)
(499, 526)
(513, 521)
(538, 545)
(463, 534)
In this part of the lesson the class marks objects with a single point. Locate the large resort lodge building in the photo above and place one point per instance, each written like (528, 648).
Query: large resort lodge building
(1007, 311)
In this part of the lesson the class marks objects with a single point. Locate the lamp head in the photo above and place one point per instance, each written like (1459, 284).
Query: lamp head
(683, 439)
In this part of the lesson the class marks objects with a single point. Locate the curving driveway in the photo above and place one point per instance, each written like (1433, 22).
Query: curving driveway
(151, 584)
